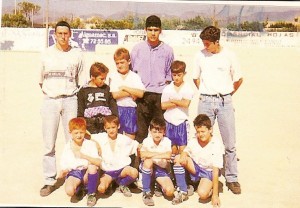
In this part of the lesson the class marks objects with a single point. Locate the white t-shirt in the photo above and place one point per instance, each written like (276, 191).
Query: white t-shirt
(119, 158)
(132, 80)
(165, 145)
(59, 71)
(206, 157)
(177, 115)
(217, 72)
(70, 162)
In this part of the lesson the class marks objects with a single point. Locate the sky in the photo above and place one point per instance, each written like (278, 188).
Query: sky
(106, 8)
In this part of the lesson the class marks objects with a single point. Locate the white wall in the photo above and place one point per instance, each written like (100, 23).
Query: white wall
(35, 39)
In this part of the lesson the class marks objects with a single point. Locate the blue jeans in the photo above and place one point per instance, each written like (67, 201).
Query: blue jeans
(51, 111)
(221, 108)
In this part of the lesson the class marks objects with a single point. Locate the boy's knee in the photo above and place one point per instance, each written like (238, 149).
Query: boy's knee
(203, 194)
(169, 191)
(101, 189)
(70, 191)
(148, 163)
(92, 169)
(134, 173)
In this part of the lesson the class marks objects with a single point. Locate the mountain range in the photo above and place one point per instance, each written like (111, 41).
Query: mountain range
(221, 10)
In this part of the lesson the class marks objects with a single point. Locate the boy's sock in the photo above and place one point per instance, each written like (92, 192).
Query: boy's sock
(92, 182)
(146, 181)
(179, 172)
(125, 181)
(173, 158)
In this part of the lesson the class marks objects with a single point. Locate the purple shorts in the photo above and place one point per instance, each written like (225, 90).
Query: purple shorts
(200, 173)
(177, 134)
(77, 174)
(157, 171)
(128, 119)
(115, 174)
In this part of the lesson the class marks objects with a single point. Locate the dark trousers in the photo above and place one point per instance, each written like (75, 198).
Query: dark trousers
(95, 125)
(148, 107)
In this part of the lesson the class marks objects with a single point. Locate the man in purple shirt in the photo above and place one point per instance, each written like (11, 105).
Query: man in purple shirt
(151, 60)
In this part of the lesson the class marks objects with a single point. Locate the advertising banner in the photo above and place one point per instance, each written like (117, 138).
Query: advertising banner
(88, 39)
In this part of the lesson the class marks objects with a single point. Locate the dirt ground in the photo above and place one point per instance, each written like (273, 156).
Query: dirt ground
(267, 119)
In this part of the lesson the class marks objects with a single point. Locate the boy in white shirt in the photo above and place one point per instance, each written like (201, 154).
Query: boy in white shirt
(80, 162)
(176, 99)
(115, 150)
(202, 158)
(126, 86)
(155, 154)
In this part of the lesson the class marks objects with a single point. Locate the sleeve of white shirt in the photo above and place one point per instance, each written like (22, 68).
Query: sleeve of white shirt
(82, 75)
(145, 144)
(164, 95)
(219, 150)
(113, 82)
(135, 145)
(235, 71)
(189, 92)
(66, 161)
(91, 149)
(187, 149)
(138, 82)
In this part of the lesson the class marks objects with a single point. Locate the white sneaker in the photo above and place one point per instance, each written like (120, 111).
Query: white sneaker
(138, 181)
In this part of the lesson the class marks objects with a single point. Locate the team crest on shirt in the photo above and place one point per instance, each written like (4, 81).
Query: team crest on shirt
(99, 96)
(90, 97)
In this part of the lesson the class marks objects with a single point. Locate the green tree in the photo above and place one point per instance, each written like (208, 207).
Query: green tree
(109, 24)
(247, 26)
(28, 8)
(75, 22)
(171, 24)
(283, 27)
(232, 27)
(14, 20)
(196, 23)
(95, 22)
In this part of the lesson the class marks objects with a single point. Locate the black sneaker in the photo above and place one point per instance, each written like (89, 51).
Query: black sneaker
(235, 187)
(147, 199)
(46, 190)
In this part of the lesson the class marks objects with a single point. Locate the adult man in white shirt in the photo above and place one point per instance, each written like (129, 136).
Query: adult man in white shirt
(217, 75)
(60, 68)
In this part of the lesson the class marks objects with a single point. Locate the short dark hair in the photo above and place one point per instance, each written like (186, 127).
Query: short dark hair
(63, 24)
(158, 124)
(153, 21)
(97, 69)
(210, 33)
(178, 66)
(111, 119)
(202, 120)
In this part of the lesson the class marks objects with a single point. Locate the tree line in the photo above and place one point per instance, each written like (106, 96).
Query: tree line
(22, 18)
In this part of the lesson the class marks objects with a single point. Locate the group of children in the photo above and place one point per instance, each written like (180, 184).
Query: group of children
(103, 146)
